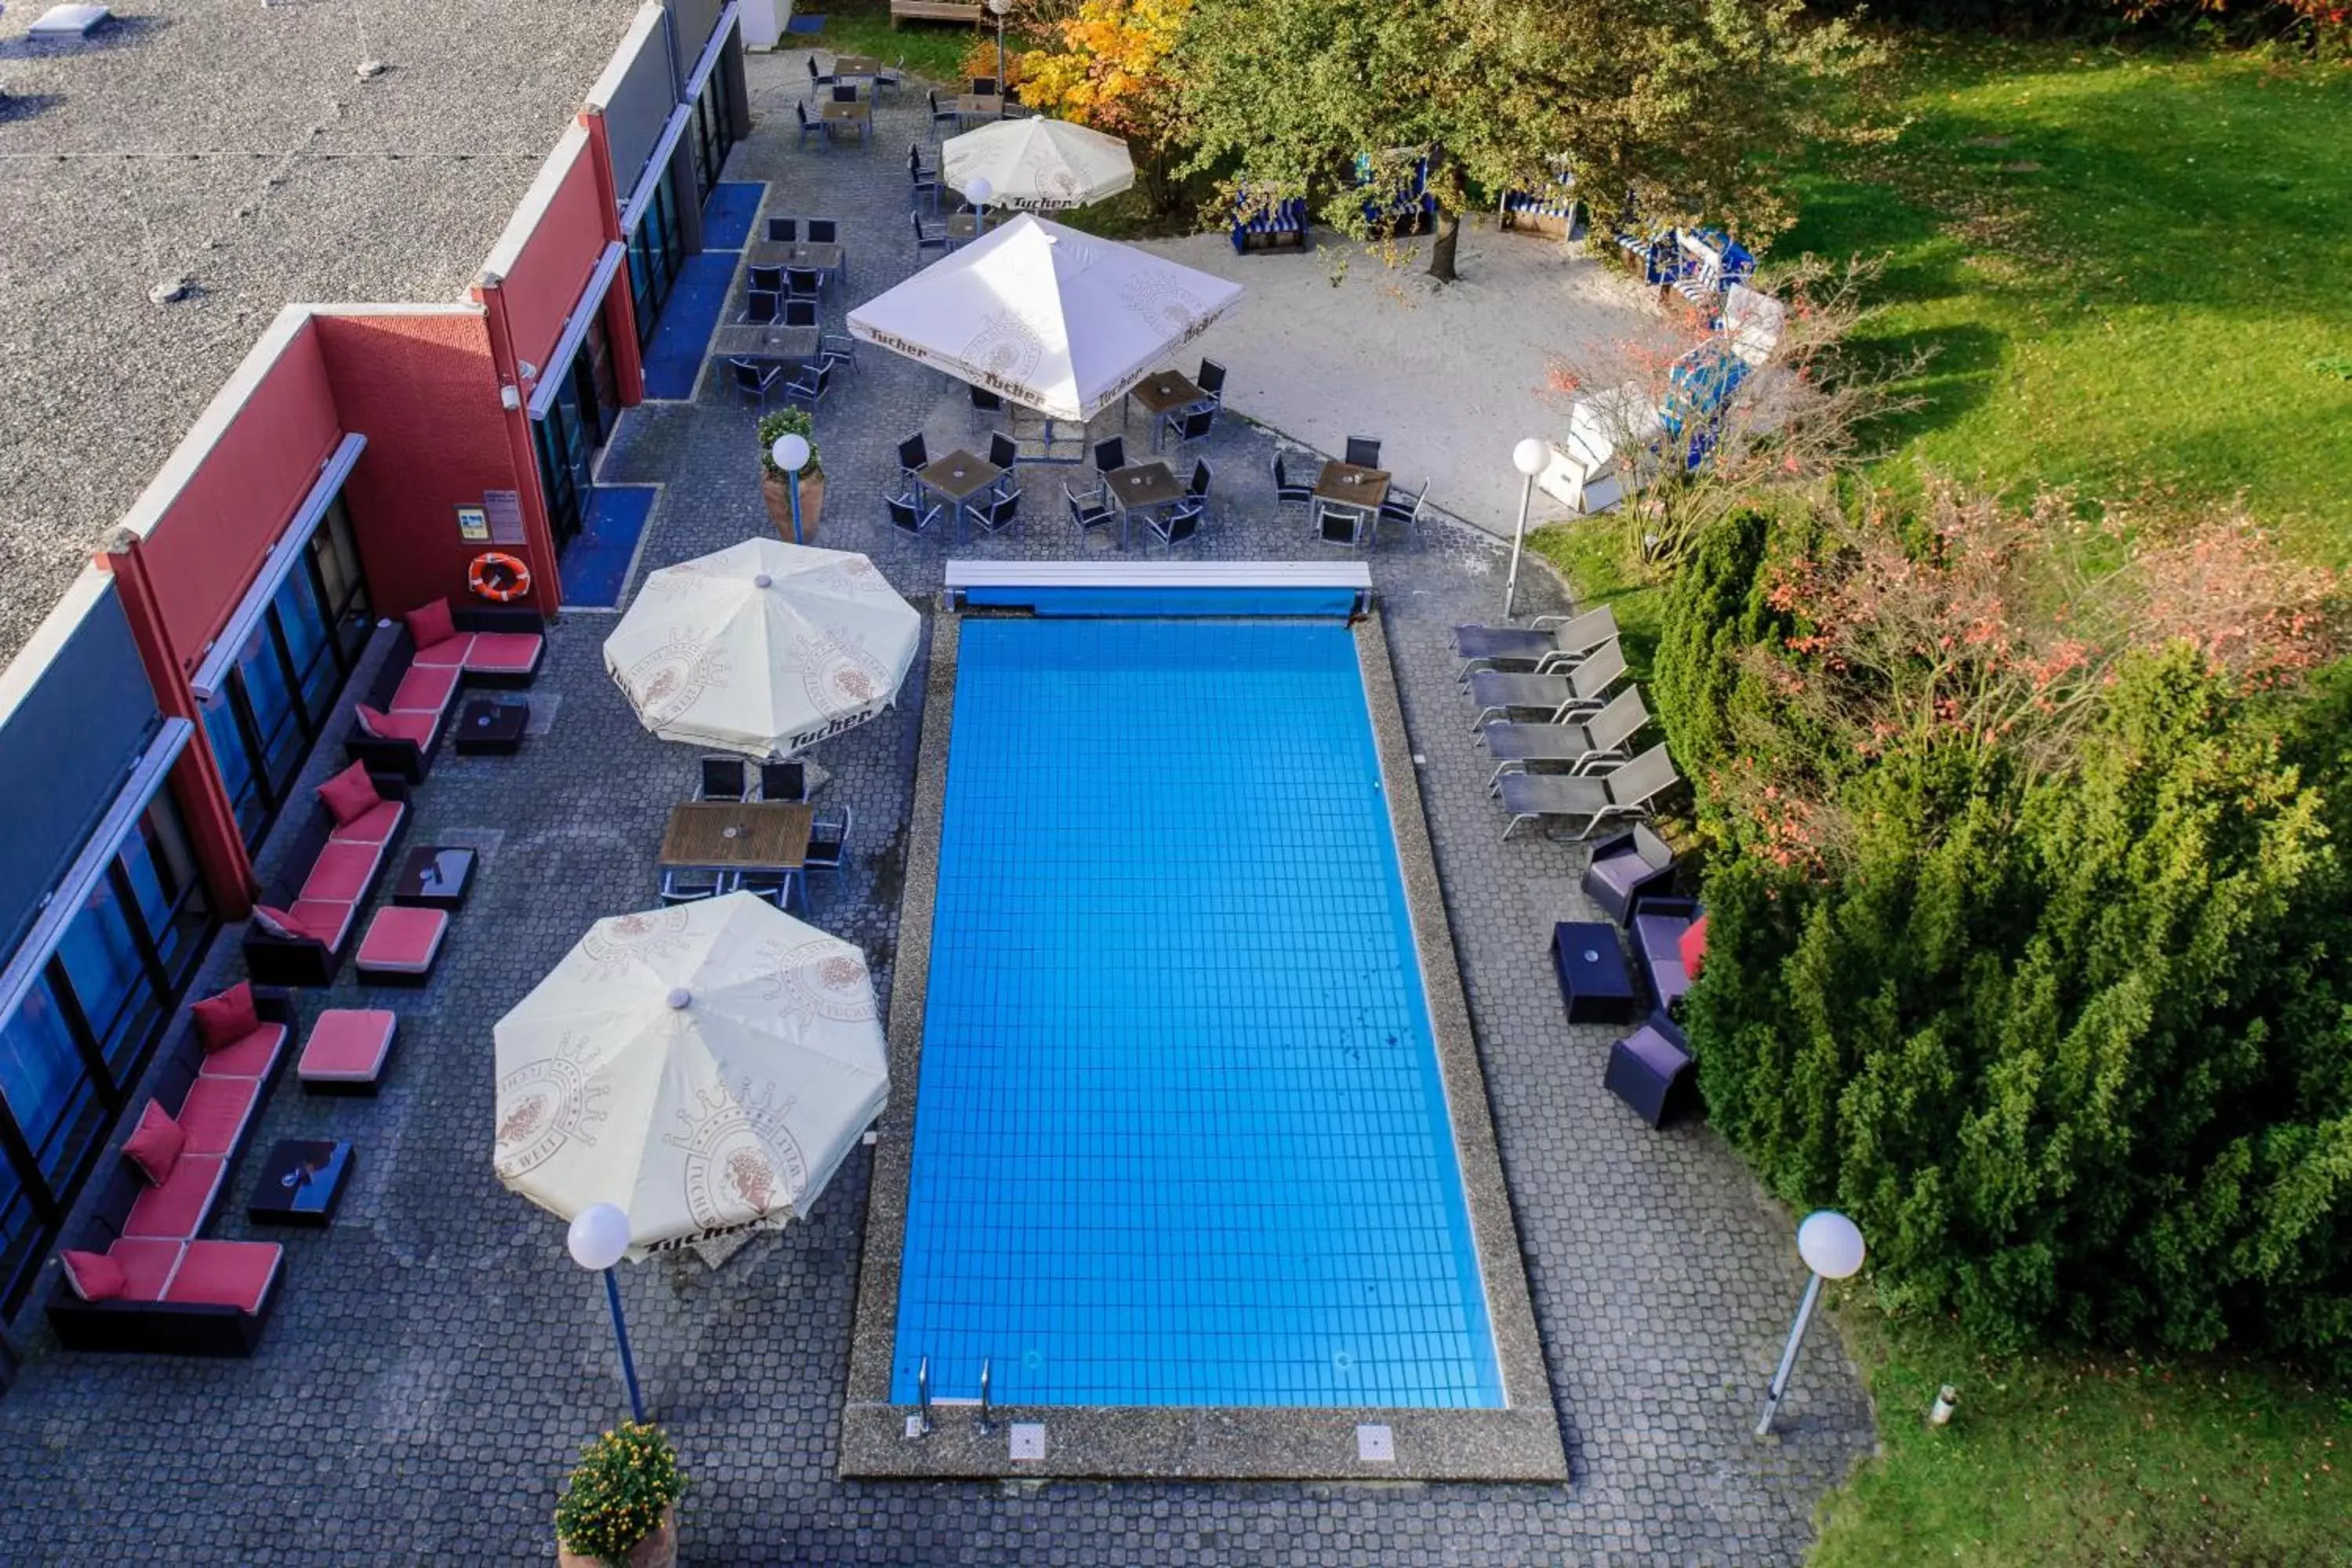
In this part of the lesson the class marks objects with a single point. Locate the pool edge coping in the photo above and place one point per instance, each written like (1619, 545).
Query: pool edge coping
(1520, 1441)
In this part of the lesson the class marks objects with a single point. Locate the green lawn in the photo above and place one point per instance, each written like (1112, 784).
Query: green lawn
(2132, 268)
(933, 51)
(2057, 1460)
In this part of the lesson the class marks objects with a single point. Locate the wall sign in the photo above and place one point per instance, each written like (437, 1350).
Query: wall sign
(505, 508)
(473, 525)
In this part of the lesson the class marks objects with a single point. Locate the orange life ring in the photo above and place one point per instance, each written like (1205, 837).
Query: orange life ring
(499, 577)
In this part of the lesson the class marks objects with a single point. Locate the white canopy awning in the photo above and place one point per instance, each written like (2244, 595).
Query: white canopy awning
(1055, 320)
(1039, 164)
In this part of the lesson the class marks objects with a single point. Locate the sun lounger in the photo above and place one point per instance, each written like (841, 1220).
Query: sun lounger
(1499, 693)
(1601, 738)
(1545, 649)
(1624, 791)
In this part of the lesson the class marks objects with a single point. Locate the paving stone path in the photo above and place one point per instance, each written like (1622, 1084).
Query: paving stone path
(435, 1358)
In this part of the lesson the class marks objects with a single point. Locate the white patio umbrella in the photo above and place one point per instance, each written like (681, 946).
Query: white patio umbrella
(704, 1068)
(1042, 166)
(763, 647)
(1055, 320)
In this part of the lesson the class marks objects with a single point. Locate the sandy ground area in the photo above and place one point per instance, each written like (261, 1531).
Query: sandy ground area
(1336, 343)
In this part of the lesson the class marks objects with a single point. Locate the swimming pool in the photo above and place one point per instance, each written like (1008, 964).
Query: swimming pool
(1180, 1136)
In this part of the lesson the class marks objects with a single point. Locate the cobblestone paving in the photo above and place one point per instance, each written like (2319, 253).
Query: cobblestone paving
(435, 1358)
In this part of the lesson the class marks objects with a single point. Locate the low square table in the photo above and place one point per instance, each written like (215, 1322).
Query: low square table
(490, 726)
(435, 877)
(859, 114)
(958, 477)
(1140, 485)
(300, 1183)
(1593, 980)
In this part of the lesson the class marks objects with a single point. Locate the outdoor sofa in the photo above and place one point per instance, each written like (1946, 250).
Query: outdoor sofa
(1669, 943)
(176, 1293)
(437, 651)
(331, 870)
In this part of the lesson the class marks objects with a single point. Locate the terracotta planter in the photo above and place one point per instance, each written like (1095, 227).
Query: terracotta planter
(775, 489)
(659, 1550)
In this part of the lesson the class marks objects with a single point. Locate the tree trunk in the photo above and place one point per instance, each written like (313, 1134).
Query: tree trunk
(1441, 252)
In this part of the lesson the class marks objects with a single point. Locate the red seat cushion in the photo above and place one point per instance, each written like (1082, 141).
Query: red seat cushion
(146, 1265)
(1692, 945)
(505, 653)
(325, 923)
(449, 653)
(347, 1044)
(227, 1274)
(249, 1058)
(215, 1112)
(340, 875)
(92, 1275)
(424, 689)
(156, 1144)
(282, 923)
(430, 623)
(373, 828)
(225, 1019)
(402, 941)
(176, 1208)
(417, 729)
(350, 794)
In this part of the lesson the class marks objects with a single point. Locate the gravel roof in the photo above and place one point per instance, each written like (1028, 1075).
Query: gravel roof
(232, 143)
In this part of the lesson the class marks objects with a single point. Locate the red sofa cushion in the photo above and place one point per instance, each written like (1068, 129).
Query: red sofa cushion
(282, 924)
(251, 1057)
(424, 689)
(376, 827)
(215, 1112)
(340, 875)
(347, 1044)
(430, 623)
(146, 1265)
(227, 1274)
(175, 1210)
(505, 653)
(156, 1144)
(350, 794)
(449, 653)
(325, 921)
(417, 729)
(93, 1275)
(401, 940)
(1692, 945)
(225, 1019)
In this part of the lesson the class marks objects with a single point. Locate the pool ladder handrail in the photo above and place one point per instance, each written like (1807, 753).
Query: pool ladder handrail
(984, 1422)
(923, 1395)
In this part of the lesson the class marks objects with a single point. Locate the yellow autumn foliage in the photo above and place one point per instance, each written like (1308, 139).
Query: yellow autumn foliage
(1110, 71)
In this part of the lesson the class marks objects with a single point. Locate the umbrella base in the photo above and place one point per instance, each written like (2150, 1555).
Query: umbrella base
(777, 492)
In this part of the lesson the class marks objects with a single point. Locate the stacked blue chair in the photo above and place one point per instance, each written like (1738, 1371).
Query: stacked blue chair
(1699, 387)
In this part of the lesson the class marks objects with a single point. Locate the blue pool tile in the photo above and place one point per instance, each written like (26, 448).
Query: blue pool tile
(674, 358)
(729, 211)
(597, 561)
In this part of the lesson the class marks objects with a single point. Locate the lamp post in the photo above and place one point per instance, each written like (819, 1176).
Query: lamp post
(1832, 1246)
(980, 190)
(598, 1237)
(791, 453)
(1001, 7)
(1528, 457)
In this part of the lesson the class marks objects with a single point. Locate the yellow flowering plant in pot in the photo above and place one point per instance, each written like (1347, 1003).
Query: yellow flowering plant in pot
(617, 1507)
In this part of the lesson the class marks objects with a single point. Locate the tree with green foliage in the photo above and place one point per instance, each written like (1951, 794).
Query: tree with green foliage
(1681, 110)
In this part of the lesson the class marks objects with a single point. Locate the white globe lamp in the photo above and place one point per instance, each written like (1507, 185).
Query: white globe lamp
(1528, 457)
(1832, 1246)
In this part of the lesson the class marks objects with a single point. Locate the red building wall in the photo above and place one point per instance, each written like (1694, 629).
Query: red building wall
(423, 388)
(544, 281)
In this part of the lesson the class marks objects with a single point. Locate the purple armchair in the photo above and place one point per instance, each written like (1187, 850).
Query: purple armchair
(1627, 868)
(1650, 1071)
(1658, 927)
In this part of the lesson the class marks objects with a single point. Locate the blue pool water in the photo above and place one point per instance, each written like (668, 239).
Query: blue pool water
(1180, 1136)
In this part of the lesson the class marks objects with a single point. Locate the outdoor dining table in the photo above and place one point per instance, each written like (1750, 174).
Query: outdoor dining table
(791, 253)
(1140, 485)
(966, 225)
(726, 836)
(773, 342)
(957, 477)
(856, 65)
(860, 114)
(1162, 392)
(1358, 489)
(979, 106)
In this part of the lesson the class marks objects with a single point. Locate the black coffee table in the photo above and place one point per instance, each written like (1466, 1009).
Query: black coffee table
(1593, 980)
(435, 877)
(489, 726)
(300, 1183)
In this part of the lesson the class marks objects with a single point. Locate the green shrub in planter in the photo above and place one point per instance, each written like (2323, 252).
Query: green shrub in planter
(788, 422)
(625, 1482)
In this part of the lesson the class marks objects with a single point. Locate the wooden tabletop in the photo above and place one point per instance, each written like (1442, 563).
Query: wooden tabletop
(1165, 390)
(1144, 484)
(856, 65)
(965, 225)
(769, 835)
(770, 341)
(861, 110)
(1351, 486)
(785, 253)
(961, 474)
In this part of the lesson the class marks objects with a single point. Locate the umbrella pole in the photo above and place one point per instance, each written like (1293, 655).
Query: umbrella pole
(621, 1333)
